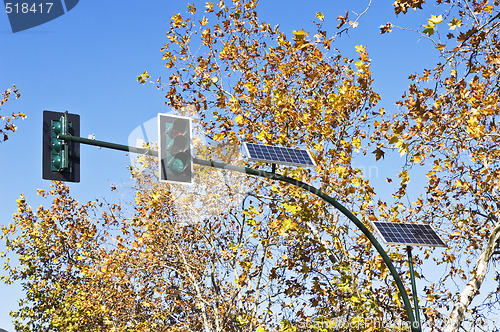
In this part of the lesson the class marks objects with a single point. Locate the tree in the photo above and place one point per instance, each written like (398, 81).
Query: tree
(448, 121)
(263, 260)
(6, 121)
(248, 82)
(263, 265)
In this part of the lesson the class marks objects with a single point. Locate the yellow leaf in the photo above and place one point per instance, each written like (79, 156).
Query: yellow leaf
(218, 136)
(455, 23)
(402, 147)
(359, 48)
(405, 177)
(435, 19)
(291, 208)
(239, 119)
(177, 20)
(429, 30)
(233, 246)
(356, 142)
(143, 77)
(299, 35)
(488, 9)
(262, 136)
(320, 16)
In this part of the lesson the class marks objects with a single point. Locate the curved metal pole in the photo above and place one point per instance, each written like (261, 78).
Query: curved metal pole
(415, 326)
(413, 285)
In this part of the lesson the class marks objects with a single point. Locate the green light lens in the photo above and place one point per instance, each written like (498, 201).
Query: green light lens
(57, 162)
(177, 166)
(57, 145)
(57, 127)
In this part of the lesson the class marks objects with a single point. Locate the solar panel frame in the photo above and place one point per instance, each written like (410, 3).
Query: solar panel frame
(278, 155)
(408, 234)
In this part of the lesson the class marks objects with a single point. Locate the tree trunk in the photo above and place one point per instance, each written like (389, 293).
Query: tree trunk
(472, 289)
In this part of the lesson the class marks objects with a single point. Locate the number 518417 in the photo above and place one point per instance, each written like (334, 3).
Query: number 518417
(25, 8)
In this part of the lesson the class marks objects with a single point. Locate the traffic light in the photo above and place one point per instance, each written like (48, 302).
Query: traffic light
(59, 153)
(60, 158)
(174, 146)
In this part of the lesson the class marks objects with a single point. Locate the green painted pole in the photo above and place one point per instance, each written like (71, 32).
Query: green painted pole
(415, 325)
(107, 145)
(413, 287)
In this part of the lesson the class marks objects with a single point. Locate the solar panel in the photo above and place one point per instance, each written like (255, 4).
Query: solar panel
(278, 155)
(409, 234)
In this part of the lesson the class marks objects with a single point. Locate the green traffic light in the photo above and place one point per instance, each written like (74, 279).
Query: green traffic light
(60, 158)
(60, 148)
(175, 148)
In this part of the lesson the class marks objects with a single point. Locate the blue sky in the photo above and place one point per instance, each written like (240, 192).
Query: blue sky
(87, 61)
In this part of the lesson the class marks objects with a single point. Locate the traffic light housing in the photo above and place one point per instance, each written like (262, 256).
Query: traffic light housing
(60, 158)
(174, 146)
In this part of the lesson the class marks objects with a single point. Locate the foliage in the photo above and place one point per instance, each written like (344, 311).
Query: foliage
(249, 82)
(6, 121)
(274, 258)
(267, 264)
(448, 121)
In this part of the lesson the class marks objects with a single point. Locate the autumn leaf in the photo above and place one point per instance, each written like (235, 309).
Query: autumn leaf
(6, 121)
(177, 21)
(405, 177)
(299, 35)
(455, 23)
(342, 20)
(143, 77)
(239, 119)
(431, 24)
(379, 153)
(386, 28)
(356, 143)
(429, 29)
(209, 7)
(435, 19)
(204, 21)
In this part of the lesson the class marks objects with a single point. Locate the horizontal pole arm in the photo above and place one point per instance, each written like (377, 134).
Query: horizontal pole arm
(108, 145)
